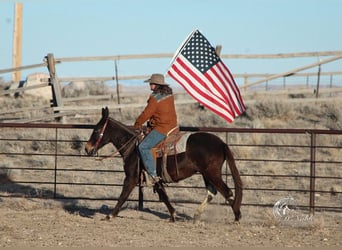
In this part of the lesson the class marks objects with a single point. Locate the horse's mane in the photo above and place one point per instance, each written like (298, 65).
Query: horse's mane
(122, 126)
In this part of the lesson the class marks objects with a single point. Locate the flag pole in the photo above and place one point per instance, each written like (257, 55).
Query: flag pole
(181, 46)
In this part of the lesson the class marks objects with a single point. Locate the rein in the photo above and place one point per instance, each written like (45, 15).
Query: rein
(117, 152)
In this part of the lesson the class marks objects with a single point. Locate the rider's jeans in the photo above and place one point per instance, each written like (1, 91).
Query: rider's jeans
(151, 140)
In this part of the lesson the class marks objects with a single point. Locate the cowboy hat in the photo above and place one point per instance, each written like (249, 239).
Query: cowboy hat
(157, 79)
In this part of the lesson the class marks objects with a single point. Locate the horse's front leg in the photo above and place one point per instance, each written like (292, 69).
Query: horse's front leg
(159, 188)
(128, 186)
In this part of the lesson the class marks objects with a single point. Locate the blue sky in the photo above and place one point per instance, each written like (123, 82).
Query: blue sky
(69, 28)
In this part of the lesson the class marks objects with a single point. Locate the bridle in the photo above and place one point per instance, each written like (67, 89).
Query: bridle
(99, 139)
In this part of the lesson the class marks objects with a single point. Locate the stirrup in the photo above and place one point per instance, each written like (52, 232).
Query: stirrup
(155, 179)
(150, 180)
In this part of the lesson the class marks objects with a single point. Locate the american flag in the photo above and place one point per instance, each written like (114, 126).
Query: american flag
(197, 67)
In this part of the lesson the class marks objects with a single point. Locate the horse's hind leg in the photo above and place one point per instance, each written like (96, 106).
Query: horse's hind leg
(203, 206)
(226, 192)
(159, 188)
(222, 187)
(210, 195)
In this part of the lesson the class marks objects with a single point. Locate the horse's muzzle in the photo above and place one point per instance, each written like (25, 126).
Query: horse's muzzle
(90, 150)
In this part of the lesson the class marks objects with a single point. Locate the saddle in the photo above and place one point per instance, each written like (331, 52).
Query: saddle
(168, 145)
(173, 144)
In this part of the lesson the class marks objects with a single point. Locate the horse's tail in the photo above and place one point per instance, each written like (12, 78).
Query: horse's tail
(237, 182)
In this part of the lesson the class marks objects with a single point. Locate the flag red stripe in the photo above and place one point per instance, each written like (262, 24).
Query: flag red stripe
(233, 85)
(205, 91)
(179, 79)
(224, 92)
(223, 115)
(227, 85)
(201, 96)
(197, 94)
(230, 93)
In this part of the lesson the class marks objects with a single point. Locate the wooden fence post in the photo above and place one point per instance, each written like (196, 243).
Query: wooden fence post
(57, 100)
(318, 79)
(245, 83)
(17, 40)
(218, 50)
(117, 84)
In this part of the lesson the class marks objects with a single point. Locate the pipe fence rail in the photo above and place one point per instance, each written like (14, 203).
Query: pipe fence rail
(47, 161)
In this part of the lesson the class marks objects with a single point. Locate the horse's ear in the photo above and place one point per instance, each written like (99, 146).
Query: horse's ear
(105, 112)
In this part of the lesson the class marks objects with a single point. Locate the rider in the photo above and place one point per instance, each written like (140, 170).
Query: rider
(160, 113)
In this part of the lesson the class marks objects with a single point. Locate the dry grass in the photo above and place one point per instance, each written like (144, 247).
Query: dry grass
(268, 110)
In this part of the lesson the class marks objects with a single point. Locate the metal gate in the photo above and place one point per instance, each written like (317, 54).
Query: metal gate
(47, 161)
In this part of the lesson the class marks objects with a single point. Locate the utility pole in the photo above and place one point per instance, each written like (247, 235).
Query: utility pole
(17, 40)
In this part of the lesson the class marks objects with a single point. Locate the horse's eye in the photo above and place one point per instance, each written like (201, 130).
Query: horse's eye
(97, 132)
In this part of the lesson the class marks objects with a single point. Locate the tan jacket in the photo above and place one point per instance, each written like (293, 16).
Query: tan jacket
(161, 113)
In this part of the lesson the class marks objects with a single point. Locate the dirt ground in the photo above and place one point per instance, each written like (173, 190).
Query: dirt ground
(38, 222)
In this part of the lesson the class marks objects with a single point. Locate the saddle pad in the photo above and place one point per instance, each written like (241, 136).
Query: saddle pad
(173, 144)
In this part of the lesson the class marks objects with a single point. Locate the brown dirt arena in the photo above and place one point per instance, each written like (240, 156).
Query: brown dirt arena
(35, 223)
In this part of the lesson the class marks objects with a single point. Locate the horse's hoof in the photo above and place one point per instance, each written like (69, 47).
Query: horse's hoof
(108, 217)
(173, 217)
(237, 217)
(236, 222)
(230, 200)
(196, 221)
(196, 218)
